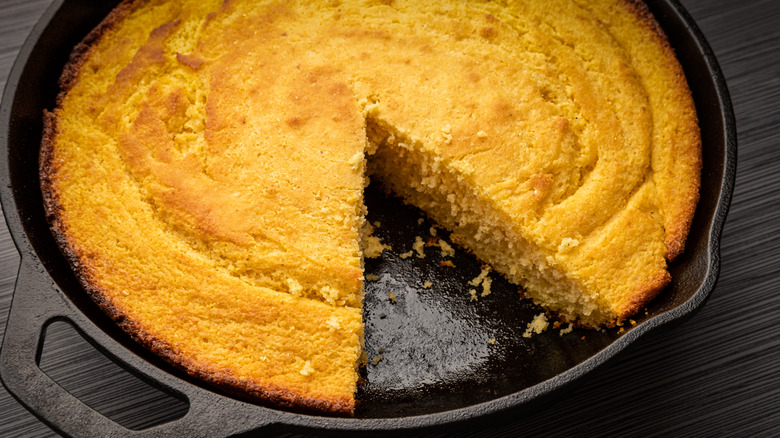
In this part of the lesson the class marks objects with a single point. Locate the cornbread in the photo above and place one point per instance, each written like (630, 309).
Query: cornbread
(537, 326)
(203, 169)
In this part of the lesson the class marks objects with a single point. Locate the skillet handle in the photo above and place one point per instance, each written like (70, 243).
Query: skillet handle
(37, 302)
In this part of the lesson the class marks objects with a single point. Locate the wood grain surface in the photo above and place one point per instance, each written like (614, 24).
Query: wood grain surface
(717, 374)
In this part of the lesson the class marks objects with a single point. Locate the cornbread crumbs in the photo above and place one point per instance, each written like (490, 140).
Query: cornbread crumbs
(486, 286)
(372, 245)
(536, 326)
(479, 278)
(418, 247)
(446, 249)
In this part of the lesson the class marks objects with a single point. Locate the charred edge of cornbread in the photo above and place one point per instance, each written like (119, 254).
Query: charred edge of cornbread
(467, 216)
(266, 394)
(676, 231)
(47, 169)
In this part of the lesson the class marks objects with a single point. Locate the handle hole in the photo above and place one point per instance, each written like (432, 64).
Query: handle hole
(101, 384)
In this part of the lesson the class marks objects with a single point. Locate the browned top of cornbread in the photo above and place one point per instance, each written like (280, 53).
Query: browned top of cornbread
(203, 170)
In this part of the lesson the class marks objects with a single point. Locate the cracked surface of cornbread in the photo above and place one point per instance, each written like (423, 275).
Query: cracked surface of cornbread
(204, 168)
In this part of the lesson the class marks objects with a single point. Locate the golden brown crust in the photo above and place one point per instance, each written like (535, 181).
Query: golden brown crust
(269, 395)
(46, 165)
(70, 73)
(51, 202)
(266, 394)
(678, 219)
(644, 295)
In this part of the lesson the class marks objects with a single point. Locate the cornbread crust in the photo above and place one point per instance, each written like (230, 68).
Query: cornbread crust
(680, 205)
(679, 183)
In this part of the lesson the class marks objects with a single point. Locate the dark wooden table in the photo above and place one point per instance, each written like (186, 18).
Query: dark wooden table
(718, 374)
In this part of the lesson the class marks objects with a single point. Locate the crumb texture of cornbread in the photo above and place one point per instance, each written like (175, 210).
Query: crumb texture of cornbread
(204, 168)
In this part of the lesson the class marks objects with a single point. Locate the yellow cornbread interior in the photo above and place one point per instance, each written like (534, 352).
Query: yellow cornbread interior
(208, 163)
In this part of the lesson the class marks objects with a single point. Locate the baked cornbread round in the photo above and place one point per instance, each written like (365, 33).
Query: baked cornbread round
(203, 170)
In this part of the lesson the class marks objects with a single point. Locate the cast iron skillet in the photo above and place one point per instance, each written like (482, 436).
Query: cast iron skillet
(444, 358)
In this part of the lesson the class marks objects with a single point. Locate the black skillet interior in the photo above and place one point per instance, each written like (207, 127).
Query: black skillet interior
(433, 348)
